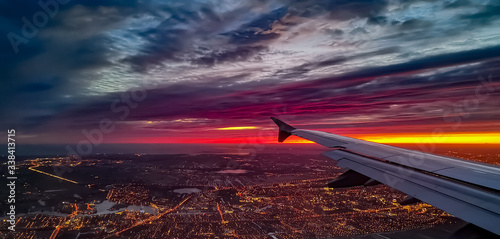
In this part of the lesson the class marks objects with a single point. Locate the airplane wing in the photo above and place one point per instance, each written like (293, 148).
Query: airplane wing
(468, 190)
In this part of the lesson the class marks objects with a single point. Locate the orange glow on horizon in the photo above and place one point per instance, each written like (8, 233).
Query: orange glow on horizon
(450, 138)
(238, 128)
(447, 138)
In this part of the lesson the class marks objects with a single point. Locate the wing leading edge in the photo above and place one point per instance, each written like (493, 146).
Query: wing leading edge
(465, 189)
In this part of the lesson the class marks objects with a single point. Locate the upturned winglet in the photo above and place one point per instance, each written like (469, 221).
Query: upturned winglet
(285, 129)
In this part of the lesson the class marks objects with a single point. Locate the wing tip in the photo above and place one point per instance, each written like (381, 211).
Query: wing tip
(282, 125)
(285, 130)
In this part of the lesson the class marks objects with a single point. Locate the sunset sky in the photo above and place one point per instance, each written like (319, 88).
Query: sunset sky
(215, 71)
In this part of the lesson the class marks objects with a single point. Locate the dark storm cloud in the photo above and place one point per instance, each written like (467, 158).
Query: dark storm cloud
(255, 31)
(162, 45)
(378, 20)
(432, 62)
(457, 4)
(239, 53)
(486, 15)
(169, 43)
(173, 40)
(471, 16)
(334, 32)
(38, 86)
(415, 24)
(63, 15)
(173, 45)
(307, 67)
(71, 42)
(336, 9)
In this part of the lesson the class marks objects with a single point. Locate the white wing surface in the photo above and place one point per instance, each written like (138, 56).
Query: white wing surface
(468, 190)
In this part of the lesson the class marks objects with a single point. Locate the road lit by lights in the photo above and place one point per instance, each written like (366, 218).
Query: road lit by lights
(52, 175)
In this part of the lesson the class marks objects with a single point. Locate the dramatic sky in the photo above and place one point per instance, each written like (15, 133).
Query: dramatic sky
(215, 71)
